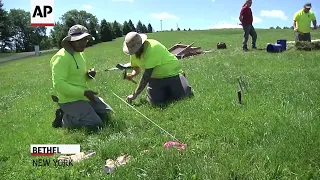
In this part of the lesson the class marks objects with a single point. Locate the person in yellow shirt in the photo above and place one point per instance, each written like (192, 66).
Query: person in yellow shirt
(78, 105)
(302, 21)
(162, 70)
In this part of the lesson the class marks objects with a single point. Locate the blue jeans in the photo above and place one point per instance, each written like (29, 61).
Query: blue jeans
(249, 30)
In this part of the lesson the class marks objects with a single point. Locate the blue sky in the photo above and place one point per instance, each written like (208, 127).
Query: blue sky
(196, 14)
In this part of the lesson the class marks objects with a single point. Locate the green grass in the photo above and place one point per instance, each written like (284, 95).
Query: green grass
(274, 135)
(2, 55)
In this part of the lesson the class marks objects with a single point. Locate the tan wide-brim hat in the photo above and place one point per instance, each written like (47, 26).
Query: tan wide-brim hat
(133, 41)
(76, 33)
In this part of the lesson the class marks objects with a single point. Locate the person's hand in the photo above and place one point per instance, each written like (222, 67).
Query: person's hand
(90, 95)
(131, 97)
(129, 76)
(92, 73)
(297, 31)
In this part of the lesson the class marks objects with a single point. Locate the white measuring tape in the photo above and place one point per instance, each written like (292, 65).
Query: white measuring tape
(146, 117)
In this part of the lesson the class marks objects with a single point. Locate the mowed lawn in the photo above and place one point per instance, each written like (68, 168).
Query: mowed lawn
(2, 55)
(274, 135)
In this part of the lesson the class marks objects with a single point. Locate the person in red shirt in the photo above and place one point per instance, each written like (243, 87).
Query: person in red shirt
(246, 20)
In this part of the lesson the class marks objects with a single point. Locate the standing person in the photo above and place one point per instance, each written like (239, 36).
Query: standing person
(301, 23)
(246, 19)
(79, 106)
(162, 70)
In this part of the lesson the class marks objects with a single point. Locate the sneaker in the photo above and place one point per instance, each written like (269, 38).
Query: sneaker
(57, 122)
(245, 49)
(254, 47)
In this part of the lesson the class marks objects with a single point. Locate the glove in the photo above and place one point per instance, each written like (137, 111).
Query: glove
(92, 73)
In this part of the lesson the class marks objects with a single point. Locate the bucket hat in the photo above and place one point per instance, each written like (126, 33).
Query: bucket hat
(76, 32)
(132, 42)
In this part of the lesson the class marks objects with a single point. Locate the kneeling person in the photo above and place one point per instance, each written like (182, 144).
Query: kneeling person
(162, 70)
(79, 106)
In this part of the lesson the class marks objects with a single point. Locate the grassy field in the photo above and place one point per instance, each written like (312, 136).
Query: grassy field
(274, 135)
(2, 55)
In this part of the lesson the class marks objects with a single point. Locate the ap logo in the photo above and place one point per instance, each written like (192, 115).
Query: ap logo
(42, 13)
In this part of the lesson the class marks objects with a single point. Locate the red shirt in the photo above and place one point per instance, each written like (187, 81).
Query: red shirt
(246, 13)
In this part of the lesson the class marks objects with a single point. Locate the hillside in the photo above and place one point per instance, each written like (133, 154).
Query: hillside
(273, 135)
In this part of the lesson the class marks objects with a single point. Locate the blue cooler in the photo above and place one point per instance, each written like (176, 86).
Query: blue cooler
(283, 42)
(274, 48)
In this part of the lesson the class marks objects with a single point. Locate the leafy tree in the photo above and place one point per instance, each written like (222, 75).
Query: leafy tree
(6, 31)
(116, 29)
(93, 31)
(144, 28)
(150, 29)
(45, 43)
(82, 17)
(139, 27)
(106, 32)
(131, 25)
(25, 36)
(58, 33)
(126, 28)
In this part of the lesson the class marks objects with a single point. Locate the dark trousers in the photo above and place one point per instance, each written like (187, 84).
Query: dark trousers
(303, 36)
(161, 91)
(249, 30)
(85, 114)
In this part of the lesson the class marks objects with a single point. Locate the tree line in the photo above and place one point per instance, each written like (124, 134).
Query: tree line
(101, 31)
(285, 27)
(16, 32)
